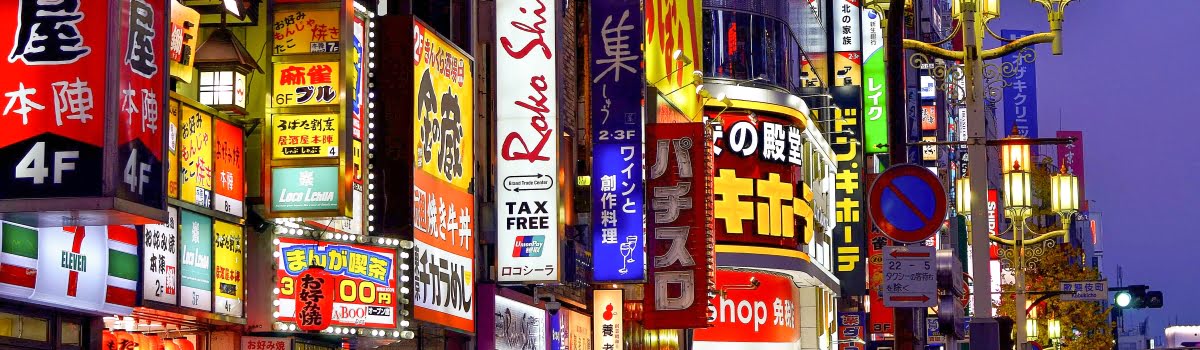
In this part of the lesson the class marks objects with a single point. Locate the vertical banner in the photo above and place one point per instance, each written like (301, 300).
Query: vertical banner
(443, 209)
(847, 27)
(875, 125)
(173, 147)
(673, 25)
(851, 333)
(1071, 156)
(185, 26)
(527, 138)
(195, 156)
(228, 261)
(1020, 92)
(849, 236)
(677, 287)
(608, 309)
(882, 317)
(160, 267)
(142, 80)
(195, 274)
(618, 240)
(229, 168)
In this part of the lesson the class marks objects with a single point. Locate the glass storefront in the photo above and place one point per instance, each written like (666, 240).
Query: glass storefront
(751, 49)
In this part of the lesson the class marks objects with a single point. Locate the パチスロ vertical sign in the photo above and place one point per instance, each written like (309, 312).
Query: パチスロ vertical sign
(677, 286)
(227, 271)
(160, 267)
(1020, 92)
(196, 248)
(527, 137)
(141, 131)
(608, 309)
(618, 240)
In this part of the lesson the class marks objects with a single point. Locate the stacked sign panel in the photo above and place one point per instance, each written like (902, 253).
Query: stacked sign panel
(849, 234)
(527, 141)
(618, 239)
(443, 209)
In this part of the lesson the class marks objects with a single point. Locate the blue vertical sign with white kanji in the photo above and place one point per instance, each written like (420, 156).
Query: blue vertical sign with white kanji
(1020, 92)
(618, 238)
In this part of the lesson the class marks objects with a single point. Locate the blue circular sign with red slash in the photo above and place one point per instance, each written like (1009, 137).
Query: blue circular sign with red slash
(908, 203)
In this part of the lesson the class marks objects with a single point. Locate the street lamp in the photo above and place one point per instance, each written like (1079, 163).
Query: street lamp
(1064, 192)
(988, 9)
(962, 188)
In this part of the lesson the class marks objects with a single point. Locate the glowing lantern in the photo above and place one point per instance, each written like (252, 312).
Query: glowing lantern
(314, 299)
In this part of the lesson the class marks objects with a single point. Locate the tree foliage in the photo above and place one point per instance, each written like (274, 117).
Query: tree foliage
(1085, 325)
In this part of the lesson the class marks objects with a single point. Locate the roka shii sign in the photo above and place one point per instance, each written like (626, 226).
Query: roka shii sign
(527, 138)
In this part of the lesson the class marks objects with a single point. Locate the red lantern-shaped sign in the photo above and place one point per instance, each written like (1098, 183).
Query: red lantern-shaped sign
(314, 299)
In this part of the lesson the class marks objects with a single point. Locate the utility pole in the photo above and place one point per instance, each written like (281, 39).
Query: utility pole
(905, 318)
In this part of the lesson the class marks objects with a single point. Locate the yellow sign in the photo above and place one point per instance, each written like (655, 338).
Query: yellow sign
(297, 136)
(443, 130)
(674, 25)
(306, 84)
(227, 274)
(195, 156)
(173, 150)
(185, 23)
(307, 31)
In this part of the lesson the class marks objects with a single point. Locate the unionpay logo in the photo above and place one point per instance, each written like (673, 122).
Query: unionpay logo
(528, 246)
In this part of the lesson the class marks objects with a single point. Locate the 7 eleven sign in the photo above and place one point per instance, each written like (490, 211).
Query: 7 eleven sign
(92, 268)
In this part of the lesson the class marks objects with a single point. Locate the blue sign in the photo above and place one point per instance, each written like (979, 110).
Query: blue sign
(618, 238)
(908, 203)
(1020, 94)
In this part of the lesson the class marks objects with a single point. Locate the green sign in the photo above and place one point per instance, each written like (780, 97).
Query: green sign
(875, 125)
(195, 260)
(304, 189)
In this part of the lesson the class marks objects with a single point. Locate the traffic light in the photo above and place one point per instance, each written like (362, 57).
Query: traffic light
(950, 291)
(1138, 297)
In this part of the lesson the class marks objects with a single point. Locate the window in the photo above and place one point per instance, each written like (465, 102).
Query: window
(24, 327)
(70, 333)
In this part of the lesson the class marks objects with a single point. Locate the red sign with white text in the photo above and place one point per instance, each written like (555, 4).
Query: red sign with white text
(229, 188)
(882, 318)
(677, 286)
(141, 100)
(760, 315)
(993, 213)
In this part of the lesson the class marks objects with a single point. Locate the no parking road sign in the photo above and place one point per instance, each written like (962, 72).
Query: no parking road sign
(908, 203)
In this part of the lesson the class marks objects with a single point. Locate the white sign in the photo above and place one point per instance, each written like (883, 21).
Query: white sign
(607, 318)
(928, 88)
(160, 265)
(527, 138)
(266, 343)
(909, 277)
(1085, 290)
(519, 326)
(846, 18)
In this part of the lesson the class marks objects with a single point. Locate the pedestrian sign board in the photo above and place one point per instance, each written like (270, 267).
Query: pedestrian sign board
(908, 203)
(1085, 290)
(909, 277)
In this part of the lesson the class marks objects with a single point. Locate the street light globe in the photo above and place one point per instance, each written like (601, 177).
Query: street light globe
(1014, 157)
(1064, 192)
(988, 9)
(962, 197)
(1017, 190)
(1124, 299)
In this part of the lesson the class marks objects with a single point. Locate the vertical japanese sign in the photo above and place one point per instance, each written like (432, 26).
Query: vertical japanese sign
(229, 168)
(751, 318)
(195, 156)
(195, 274)
(527, 137)
(673, 25)
(140, 133)
(570, 331)
(1020, 93)
(443, 225)
(443, 126)
(55, 98)
(1071, 156)
(519, 326)
(929, 120)
(307, 31)
(851, 330)
(875, 125)
(618, 240)
(677, 286)
(160, 267)
(185, 25)
(228, 268)
(882, 318)
(306, 84)
(849, 235)
(365, 277)
(847, 26)
(173, 147)
(608, 309)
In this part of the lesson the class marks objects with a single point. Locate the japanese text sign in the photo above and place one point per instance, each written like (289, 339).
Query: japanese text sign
(849, 235)
(760, 195)
(1085, 290)
(173, 147)
(746, 317)
(672, 25)
(527, 138)
(185, 24)
(608, 309)
(298, 136)
(88, 268)
(196, 247)
(140, 133)
(160, 267)
(851, 327)
(618, 238)
(929, 120)
(307, 31)
(570, 330)
(846, 26)
(266, 343)
(443, 225)
(195, 156)
(444, 107)
(519, 326)
(306, 84)
(882, 317)
(875, 125)
(304, 189)
(1020, 92)
(227, 268)
(229, 169)
(1071, 156)
(365, 276)
(908, 276)
(678, 282)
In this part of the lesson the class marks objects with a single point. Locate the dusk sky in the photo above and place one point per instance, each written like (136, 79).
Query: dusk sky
(1123, 80)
